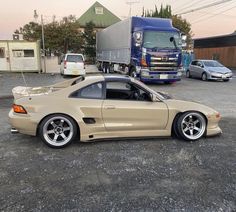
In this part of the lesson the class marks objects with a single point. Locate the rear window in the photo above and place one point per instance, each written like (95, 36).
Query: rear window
(74, 58)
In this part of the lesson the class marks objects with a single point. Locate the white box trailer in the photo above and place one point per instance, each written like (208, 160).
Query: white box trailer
(20, 55)
(118, 51)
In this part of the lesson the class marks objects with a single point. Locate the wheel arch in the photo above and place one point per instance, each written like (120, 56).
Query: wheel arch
(179, 113)
(78, 128)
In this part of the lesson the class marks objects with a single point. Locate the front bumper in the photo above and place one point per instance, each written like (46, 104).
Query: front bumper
(215, 76)
(160, 76)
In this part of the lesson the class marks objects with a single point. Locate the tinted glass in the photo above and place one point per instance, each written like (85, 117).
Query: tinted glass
(154, 39)
(93, 91)
(212, 64)
(74, 58)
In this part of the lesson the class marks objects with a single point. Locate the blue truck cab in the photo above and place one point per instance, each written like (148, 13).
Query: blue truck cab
(156, 50)
(149, 49)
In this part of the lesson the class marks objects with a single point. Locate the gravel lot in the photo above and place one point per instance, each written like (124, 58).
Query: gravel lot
(125, 175)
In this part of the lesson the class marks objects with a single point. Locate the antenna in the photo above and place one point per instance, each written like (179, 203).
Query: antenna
(130, 3)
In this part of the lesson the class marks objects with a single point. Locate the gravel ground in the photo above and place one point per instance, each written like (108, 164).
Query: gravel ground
(125, 175)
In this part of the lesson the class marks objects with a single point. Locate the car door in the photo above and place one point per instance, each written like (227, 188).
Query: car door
(121, 112)
(199, 69)
(192, 68)
(88, 102)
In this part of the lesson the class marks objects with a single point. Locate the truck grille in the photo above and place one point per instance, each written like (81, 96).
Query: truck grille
(163, 63)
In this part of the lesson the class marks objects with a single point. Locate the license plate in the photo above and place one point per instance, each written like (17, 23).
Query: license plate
(164, 76)
(75, 71)
(223, 76)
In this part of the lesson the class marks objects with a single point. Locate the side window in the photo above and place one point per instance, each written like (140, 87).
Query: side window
(93, 91)
(194, 63)
(125, 91)
(199, 64)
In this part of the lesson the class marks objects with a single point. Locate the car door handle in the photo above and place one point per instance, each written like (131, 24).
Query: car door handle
(109, 107)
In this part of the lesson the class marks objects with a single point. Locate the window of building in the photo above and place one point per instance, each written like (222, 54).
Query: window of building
(99, 10)
(2, 52)
(28, 53)
(23, 52)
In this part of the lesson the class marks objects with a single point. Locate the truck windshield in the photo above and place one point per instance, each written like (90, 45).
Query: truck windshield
(154, 39)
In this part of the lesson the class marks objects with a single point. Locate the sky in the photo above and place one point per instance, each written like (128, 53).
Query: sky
(212, 21)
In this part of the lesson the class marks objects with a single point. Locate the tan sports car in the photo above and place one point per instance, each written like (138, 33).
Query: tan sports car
(98, 107)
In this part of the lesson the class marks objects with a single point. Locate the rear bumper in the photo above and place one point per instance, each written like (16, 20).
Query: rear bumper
(81, 72)
(22, 123)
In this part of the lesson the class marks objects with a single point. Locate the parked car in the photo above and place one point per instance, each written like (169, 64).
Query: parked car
(110, 106)
(208, 70)
(72, 64)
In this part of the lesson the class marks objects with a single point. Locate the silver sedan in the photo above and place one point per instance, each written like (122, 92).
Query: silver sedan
(208, 70)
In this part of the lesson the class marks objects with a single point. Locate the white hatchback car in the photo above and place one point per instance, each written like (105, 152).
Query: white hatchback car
(73, 64)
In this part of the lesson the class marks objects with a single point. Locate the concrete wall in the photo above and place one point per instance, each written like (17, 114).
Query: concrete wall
(20, 56)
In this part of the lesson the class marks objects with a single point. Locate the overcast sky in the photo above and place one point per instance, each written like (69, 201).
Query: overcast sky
(212, 21)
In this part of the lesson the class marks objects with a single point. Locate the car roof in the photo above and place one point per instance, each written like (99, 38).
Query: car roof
(112, 77)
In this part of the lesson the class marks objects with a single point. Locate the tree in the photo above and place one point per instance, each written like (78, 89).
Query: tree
(60, 36)
(89, 36)
(165, 12)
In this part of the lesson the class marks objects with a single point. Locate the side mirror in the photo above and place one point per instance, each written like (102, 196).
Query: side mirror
(153, 98)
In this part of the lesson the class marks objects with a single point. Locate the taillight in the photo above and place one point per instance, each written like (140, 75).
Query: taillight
(19, 109)
(65, 64)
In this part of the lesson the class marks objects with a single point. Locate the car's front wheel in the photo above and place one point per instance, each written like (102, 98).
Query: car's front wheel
(191, 126)
(204, 77)
(58, 130)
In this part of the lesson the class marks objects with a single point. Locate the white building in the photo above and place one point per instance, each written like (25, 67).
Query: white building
(20, 55)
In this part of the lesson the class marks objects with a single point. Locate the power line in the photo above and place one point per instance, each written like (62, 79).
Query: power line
(189, 6)
(205, 14)
(213, 15)
(204, 7)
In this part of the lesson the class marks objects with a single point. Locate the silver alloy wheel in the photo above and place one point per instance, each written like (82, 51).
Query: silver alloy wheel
(204, 77)
(58, 131)
(193, 126)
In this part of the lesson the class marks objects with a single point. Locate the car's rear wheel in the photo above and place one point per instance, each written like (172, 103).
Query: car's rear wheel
(191, 126)
(188, 75)
(58, 130)
(204, 77)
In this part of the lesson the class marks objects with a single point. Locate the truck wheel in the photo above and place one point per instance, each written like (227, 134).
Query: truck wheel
(188, 75)
(132, 72)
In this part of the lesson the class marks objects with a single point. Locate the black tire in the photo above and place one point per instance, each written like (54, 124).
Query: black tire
(57, 130)
(188, 75)
(190, 126)
(204, 77)
(132, 72)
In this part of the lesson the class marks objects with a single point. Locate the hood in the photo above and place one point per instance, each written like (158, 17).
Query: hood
(222, 70)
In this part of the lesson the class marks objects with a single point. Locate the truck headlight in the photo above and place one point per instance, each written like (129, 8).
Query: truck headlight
(145, 73)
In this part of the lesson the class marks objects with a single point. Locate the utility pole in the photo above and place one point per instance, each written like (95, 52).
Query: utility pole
(43, 42)
(130, 3)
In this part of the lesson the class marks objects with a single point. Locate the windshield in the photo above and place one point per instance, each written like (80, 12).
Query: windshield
(74, 58)
(154, 39)
(212, 64)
